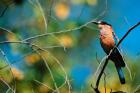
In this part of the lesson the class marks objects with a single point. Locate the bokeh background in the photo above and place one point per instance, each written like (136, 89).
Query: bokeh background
(76, 48)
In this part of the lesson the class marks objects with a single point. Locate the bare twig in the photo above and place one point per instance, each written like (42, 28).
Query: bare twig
(38, 6)
(129, 71)
(37, 51)
(60, 43)
(27, 54)
(50, 10)
(105, 82)
(8, 62)
(38, 48)
(66, 30)
(126, 20)
(107, 57)
(103, 72)
(2, 13)
(137, 89)
(97, 58)
(59, 32)
(66, 76)
(102, 14)
(9, 88)
(43, 15)
(133, 27)
(33, 90)
(44, 85)
(6, 30)
(45, 62)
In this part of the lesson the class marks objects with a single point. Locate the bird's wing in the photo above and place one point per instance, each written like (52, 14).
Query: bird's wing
(117, 58)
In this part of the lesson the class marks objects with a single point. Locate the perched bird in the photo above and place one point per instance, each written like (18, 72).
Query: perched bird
(108, 42)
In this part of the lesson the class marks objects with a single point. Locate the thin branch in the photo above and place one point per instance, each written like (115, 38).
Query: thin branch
(6, 8)
(59, 32)
(129, 71)
(6, 30)
(105, 82)
(50, 10)
(133, 27)
(103, 72)
(45, 62)
(37, 51)
(2, 13)
(9, 88)
(107, 57)
(8, 62)
(18, 60)
(68, 30)
(66, 76)
(97, 58)
(41, 11)
(137, 89)
(43, 15)
(126, 20)
(44, 85)
(102, 14)
(33, 90)
(60, 43)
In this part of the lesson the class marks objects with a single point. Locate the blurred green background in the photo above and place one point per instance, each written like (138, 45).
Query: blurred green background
(44, 63)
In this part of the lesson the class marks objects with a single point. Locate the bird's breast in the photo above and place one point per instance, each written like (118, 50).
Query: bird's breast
(107, 42)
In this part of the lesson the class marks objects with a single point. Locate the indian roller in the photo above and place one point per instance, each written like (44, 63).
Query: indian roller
(107, 42)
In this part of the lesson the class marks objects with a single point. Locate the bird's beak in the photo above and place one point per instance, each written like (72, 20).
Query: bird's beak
(94, 22)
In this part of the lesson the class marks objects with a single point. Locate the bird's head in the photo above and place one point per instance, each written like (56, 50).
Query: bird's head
(102, 24)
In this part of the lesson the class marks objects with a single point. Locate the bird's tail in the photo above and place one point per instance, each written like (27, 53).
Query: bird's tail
(121, 75)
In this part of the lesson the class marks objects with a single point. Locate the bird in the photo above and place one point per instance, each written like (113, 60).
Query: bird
(107, 41)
